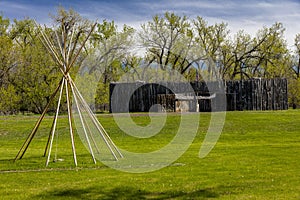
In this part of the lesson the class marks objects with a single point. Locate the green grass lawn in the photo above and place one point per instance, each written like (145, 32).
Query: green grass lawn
(256, 157)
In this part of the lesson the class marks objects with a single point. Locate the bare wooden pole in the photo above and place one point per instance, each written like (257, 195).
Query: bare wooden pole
(54, 123)
(33, 132)
(70, 44)
(58, 41)
(64, 53)
(89, 130)
(50, 47)
(100, 128)
(70, 123)
(83, 125)
(49, 137)
(53, 127)
(87, 125)
(79, 50)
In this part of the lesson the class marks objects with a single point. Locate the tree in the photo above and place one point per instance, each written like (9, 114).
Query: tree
(294, 81)
(294, 92)
(70, 26)
(4, 24)
(240, 55)
(36, 78)
(111, 46)
(265, 55)
(6, 58)
(213, 40)
(9, 100)
(133, 69)
(33, 74)
(296, 67)
(169, 41)
(8, 53)
(271, 53)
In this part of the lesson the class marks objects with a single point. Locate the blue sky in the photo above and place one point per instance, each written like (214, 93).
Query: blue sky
(247, 15)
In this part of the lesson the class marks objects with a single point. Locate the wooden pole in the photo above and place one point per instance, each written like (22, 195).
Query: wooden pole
(50, 46)
(70, 43)
(54, 123)
(100, 128)
(83, 124)
(53, 127)
(78, 52)
(49, 137)
(33, 132)
(90, 131)
(70, 123)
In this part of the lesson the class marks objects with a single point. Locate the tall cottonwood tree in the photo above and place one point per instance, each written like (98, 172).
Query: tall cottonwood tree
(294, 81)
(72, 26)
(9, 99)
(213, 40)
(34, 74)
(296, 66)
(111, 46)
(271, 52)
(8, 53)
(265, 55)
(170, 42)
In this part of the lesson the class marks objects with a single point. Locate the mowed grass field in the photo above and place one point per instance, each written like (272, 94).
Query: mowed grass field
(256, 157)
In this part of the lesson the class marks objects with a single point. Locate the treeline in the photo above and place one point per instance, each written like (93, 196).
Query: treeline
(194, 48)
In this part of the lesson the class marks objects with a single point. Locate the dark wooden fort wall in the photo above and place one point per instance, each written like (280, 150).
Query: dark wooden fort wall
(254, 94)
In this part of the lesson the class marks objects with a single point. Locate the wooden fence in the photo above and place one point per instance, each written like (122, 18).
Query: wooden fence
(254, 94)
(257, 94)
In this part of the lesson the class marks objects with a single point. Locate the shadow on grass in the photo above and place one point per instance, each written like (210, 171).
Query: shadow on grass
(7, 160)
(131, 193)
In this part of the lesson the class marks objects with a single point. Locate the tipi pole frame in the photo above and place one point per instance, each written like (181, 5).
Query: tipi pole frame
(69, 53)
